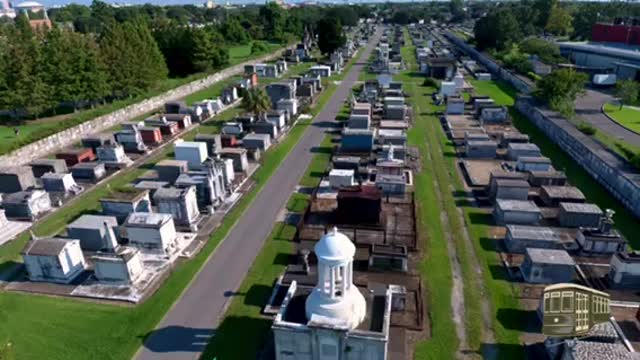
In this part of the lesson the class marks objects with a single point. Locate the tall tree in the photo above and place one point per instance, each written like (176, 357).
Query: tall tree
(627, 91)
(559, 22)
(273, 18)
(561, 88)
(499, 30)
(330, 35)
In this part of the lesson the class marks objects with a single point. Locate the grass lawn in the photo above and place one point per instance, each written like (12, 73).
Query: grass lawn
(503, 94)
(34, 130)
(627, 117)
(63, 328)
(434, 198)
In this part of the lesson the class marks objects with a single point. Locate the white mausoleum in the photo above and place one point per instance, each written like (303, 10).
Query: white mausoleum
(333, 320)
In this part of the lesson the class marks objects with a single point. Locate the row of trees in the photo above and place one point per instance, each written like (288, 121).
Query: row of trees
(509, 22)
(123, 52)
(39, 71)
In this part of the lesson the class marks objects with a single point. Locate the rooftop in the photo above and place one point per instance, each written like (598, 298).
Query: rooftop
(170, 193)
(562, 192)
(154, 220)
(93, 222)
(549, 256)
(512, 183)
(523, 146)
(534, 159)
(533, 233)
(45, 247)
(341, 172)
(517, 205)
(580, 208)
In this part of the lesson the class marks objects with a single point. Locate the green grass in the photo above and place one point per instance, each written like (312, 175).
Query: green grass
(34, 130)
(627, 117)
(433, 180)
(71, 328)
(503, 94)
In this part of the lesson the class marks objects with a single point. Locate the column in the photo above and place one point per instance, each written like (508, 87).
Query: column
(332, 283)
(345, 277)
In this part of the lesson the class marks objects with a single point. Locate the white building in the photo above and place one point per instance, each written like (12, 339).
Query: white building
(341, 177)
(123, 267)
(336, 322)
(181, 203)
(193, 152)
(53, 260)
(151, 231)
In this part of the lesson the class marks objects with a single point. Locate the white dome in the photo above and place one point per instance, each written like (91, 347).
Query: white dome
(29, 4)
(335, 246)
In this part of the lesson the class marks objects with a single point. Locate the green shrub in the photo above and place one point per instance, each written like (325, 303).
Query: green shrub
(430, 82)
(586, 128)
(258, 47)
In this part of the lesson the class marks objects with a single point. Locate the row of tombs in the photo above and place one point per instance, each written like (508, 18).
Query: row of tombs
(547, 231)
(356, 290)
(167, 213)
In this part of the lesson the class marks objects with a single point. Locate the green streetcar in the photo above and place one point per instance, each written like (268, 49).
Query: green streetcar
(571, 310)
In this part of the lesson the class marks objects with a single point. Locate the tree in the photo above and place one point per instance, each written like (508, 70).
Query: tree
(6, 352)
(546, 51)
(330, 35)
(499, 29)
(256, 101)
(561, 88)
(627, 91)
(543, 10)
(132, 57)
(456, 8)
(274, 18)
(559, 22)
(517, 60)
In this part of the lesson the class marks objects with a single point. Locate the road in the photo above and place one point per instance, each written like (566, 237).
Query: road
(186, 328)
(588, 108)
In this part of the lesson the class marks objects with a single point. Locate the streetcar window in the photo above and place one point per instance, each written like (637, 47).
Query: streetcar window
(555, 302)
(567, 301)
(546, 302)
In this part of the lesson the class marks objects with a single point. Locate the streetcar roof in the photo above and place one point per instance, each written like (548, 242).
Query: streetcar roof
(574, 287)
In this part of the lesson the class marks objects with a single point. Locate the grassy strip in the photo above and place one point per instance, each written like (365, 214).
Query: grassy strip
(244, 330)
(626, 223)
(428, 123)
(67, 327)
(627, 117)
(435, 266)
(33, 131)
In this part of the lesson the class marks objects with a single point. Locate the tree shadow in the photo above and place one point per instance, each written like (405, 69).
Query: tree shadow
(282, 259)
(177, 339)
(238, 337)
(322, 150)
(519, 319)
(481, 218)
(258, 295)
(498, 272)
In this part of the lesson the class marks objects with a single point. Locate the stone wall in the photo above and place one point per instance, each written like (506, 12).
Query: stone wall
(609, 170)
(73, 135)
(612, 172)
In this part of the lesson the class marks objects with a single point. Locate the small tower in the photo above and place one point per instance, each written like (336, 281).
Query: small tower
(335, 296)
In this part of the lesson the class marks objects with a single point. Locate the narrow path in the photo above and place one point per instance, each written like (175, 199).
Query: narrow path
(187, 327)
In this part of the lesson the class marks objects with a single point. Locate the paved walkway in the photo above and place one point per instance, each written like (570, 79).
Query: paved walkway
(184, 332)
(588, 108)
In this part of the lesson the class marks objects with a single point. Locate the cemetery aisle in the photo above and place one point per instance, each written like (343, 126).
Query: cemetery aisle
(185, 330)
